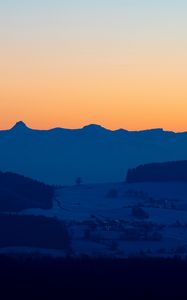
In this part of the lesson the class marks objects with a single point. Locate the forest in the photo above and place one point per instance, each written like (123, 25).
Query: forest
(18, 192)
(33, 231)
(158, 172)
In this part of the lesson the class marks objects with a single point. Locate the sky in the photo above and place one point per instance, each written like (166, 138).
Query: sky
(117, 63)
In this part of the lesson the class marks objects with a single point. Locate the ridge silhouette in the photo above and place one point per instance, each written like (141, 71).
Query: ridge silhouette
(94, 153)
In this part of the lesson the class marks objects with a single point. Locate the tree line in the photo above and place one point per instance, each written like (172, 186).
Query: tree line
(18, 192)
(33, 231)
(159, 172)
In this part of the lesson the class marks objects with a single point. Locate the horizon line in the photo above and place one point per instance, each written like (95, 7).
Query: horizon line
(24, 124)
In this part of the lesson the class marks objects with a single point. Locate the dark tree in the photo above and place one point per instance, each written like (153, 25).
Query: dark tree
(78, 180)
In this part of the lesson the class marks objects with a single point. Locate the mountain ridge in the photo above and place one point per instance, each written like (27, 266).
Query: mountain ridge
(22, 125)
(59, 155)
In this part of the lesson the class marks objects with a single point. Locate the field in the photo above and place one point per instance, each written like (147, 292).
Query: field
(122, 220)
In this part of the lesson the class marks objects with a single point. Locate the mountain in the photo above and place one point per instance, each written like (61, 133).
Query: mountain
(20, 126)
(59, 156)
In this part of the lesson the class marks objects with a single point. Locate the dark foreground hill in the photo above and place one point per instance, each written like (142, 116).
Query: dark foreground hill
(18, 192)
(159, 172)
(59, 156)
(140, 278)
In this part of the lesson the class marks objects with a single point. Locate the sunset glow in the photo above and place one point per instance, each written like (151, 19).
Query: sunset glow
(120, 63)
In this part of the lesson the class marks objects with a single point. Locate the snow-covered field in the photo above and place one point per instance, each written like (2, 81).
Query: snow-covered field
(100, 219)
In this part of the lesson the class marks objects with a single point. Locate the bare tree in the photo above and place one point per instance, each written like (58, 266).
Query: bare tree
(78, 180)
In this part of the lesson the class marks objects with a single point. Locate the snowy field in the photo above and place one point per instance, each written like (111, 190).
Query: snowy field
(101, 221)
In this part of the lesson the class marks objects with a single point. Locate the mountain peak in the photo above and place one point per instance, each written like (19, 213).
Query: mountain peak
(94, 127)
(20, 125)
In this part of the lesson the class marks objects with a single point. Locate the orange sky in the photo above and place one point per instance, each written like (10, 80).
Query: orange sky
(125, 67)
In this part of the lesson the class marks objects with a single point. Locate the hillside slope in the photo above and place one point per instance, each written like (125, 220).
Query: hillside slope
(18, 192)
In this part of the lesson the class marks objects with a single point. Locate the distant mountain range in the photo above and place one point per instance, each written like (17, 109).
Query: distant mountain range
(59, 156)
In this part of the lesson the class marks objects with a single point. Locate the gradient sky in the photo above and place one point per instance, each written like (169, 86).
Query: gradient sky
(119, 63)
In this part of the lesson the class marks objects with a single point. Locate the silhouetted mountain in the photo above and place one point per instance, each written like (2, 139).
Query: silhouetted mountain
(19, 125)
(59, 156)
(159, 172)
(93, 128)
(18, 193)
